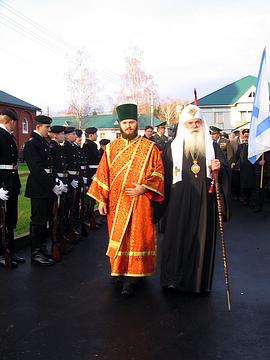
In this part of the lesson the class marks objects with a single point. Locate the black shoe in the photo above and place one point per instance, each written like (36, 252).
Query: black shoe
(40, 259)
(256, 210)
(95, 227)
(13, 264)
(84, 231)
(18, 259)
(127, 289)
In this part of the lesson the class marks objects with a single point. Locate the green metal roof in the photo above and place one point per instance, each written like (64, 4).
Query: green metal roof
(8, 99)
(228, 95)
(108, 121)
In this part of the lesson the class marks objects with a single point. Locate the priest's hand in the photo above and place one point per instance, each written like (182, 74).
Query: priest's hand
(215, 165)
(102, 208)
(136, 191)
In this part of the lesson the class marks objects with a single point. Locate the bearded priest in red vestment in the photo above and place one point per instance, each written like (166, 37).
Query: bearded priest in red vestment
(129, 178)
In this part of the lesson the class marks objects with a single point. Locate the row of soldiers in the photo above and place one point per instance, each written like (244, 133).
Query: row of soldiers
(60, 174)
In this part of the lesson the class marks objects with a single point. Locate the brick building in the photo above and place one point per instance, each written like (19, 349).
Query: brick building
(26, 114)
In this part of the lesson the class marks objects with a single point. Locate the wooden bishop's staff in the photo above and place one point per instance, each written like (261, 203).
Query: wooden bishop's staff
(221, 230)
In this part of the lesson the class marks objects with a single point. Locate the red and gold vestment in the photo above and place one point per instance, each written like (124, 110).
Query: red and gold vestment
(132, 242)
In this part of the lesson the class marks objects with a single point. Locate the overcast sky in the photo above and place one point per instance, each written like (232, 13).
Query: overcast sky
(186, 44)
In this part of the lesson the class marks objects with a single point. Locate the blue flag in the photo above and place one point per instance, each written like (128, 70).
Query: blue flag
(259, 134)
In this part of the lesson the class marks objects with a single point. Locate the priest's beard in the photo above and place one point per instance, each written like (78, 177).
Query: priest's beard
(194, 142)
(129, 136)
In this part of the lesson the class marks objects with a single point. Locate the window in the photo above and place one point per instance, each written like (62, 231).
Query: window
(252, 94)
(25, 126)
(219, 119)
(102, 134)
(245, 116)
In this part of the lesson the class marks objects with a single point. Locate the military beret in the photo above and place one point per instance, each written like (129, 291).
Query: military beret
(56, 129)
(104, 141)
(69, 129)
(10, 113)
(43, 119)
(78, 132)
(127, 111)
(91, 130)
(163, 124)
(214, 129)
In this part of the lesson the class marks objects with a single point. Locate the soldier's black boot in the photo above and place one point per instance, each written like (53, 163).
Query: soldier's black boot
(14, 258)
(36, 254)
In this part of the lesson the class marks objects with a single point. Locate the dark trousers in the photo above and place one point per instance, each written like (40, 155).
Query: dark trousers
(11, 216)
(41, 214)
(73, 214)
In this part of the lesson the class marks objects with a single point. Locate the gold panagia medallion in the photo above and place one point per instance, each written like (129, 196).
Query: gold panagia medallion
(195, 168)
(176, 171)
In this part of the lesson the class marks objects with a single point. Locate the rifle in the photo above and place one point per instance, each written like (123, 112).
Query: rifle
(56, 254)
(3, 227)
(71, 215)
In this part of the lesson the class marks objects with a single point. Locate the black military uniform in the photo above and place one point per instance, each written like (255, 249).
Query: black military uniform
(10, 181)
(92, 157)
(247, 173)
(39, 188)
(160, 140)
(84, 181)
(59, 211)
(72, 154)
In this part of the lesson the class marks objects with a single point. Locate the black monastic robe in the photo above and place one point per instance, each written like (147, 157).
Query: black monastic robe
(188, 247)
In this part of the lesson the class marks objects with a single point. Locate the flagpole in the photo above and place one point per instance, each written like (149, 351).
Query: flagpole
(262, 168)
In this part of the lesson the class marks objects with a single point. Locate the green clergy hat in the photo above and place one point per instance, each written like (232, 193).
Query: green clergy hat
(127, 111)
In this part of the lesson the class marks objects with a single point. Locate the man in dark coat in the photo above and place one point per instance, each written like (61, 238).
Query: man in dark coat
(92, 158)
(60, 222)
(188, 247)
(72, 154)
(41, 188)
(84, 222)
(223, 142)
(9, 185)
(160, 138)
(247, 170)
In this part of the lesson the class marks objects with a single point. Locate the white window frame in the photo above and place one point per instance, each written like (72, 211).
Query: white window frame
(25, 128)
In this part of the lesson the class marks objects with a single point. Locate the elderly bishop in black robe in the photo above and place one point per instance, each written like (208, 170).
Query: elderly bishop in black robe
(188, 247)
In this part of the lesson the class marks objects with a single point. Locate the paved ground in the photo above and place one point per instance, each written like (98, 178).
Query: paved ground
(73, 311)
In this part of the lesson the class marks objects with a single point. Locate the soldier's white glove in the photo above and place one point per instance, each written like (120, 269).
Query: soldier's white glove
(64, 188)
(3, 194)
(74, 183)
(85, 180)
(57, 190)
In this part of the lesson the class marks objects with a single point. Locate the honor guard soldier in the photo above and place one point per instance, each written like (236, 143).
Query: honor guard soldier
(9, 190)
(84, 182)
(102, 146)
(61, 244)
(92, 156)
(74, 183)
(224, 143)
(41, 188)
(160, 138)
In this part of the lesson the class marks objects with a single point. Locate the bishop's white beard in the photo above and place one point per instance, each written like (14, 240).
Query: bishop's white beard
(194, 142)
